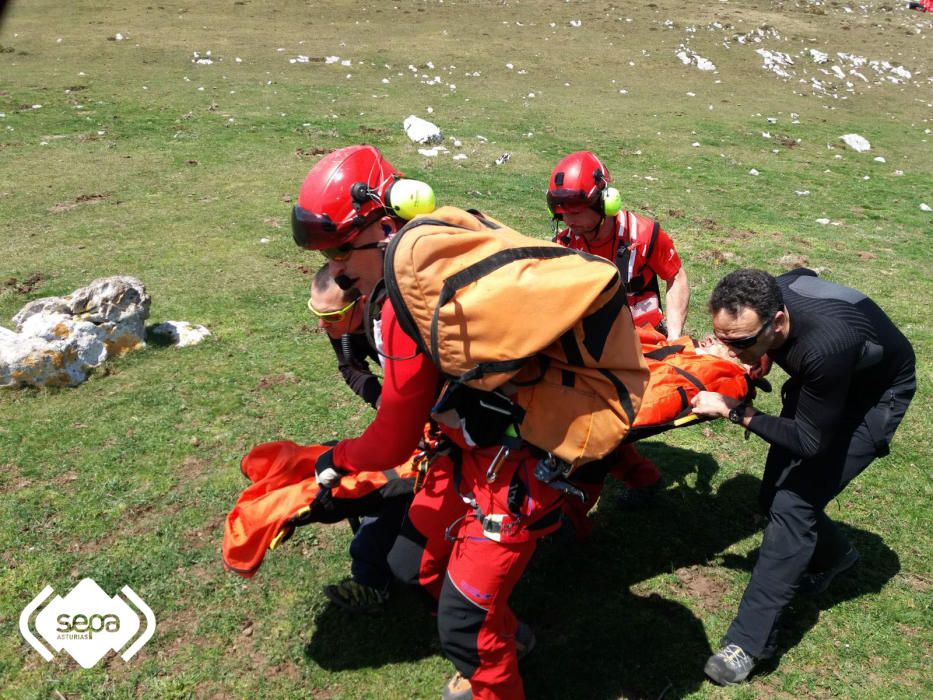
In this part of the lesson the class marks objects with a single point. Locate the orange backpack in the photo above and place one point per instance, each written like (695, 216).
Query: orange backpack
(492, 307)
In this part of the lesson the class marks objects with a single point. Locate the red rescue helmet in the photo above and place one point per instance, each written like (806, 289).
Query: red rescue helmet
(344, 192)
(577, 181)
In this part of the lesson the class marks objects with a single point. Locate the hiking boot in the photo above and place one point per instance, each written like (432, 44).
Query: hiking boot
(636, 499)
(730, 665)
(457, 688)
(357, 597)
(816, 583)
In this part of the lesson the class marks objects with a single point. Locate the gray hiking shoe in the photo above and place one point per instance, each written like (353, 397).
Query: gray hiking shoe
(357, 597)
(816, 583)
(730, 665)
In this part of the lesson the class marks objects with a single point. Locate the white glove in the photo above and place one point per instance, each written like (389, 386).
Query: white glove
(329, 477)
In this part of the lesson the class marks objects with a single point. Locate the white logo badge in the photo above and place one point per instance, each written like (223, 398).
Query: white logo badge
(87, 623)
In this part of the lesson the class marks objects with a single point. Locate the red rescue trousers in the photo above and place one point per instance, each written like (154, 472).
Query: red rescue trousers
(634, 469)
(444, 548)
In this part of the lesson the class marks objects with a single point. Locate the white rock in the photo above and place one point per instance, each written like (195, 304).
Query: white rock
(72, 350)
(181, 333)
(856, 142)
(880, 159)
(822, 221)
(265, 240)
(776, 61)
(925, 207)
(802, 193)
(753, 172)
(59, 339)
(460, 156)
(818, 56)
(422, 131)
(119, 305)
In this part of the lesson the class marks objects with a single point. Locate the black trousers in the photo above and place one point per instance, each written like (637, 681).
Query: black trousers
(799, 537)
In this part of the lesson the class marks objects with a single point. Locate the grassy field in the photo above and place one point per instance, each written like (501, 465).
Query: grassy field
(121, 155)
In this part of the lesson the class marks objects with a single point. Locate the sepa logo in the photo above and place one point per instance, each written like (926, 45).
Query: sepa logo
(87, 623)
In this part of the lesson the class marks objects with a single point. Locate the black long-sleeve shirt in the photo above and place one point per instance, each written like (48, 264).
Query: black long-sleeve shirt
(843, 352)
(355, 368)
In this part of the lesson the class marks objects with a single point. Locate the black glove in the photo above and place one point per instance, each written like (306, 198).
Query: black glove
(327, 474)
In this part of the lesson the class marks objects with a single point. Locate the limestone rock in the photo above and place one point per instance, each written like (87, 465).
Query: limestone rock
(422, 131)
(58, 340)
(60, 353)
(856, 142)
(180, 333)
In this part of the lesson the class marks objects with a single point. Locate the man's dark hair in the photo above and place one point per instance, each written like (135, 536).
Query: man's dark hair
(323, 280)
(755, 289)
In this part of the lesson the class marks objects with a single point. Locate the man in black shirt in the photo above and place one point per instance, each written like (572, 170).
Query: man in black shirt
(340, 314)
(851, 378)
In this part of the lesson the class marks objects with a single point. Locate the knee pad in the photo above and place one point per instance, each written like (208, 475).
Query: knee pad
(458, 625)
(404, 558)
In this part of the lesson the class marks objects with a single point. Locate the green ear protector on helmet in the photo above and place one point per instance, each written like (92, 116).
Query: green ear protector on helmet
(409, 198)
(612, 201)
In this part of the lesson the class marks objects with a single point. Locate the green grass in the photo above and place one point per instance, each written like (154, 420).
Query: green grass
(128, 477)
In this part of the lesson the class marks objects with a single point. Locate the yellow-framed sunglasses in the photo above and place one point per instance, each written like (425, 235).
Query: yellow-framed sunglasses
(332, 316)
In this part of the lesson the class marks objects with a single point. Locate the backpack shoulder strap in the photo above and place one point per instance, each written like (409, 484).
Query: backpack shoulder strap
(655, 228)
(373, 311)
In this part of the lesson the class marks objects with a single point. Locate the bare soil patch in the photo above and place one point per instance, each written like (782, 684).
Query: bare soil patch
(80, 200)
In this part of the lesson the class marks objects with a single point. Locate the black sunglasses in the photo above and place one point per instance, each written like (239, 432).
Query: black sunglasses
(342, 252)
(747, 341)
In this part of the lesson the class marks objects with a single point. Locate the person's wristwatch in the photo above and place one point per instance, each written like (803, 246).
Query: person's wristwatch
(737, 414)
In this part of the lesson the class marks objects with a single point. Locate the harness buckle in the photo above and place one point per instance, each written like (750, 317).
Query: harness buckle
(552, 472)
